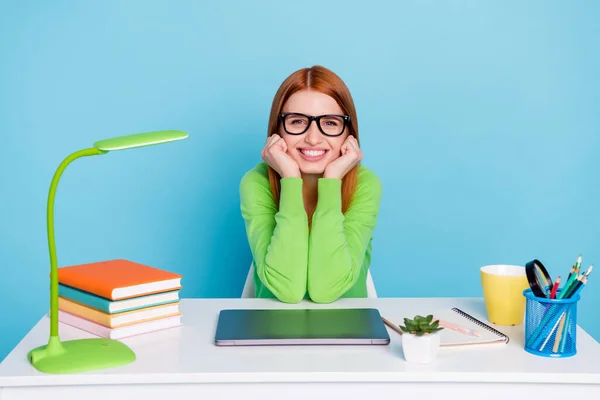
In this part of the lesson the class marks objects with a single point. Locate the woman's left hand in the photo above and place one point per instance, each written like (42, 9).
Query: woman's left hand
(349, 158)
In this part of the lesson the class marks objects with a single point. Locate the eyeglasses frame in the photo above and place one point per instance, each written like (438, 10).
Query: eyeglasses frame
(317, 119)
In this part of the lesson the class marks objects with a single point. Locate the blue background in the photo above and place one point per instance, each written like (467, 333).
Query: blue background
(481, 119)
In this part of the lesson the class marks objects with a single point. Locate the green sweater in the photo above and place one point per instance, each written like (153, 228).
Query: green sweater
(329, 261)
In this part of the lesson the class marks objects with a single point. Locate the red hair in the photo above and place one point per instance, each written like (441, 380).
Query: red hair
(322, 80)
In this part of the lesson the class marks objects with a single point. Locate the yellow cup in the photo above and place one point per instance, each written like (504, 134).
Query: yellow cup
(503, 287)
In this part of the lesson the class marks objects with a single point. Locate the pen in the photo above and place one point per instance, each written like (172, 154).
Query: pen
(458, 328)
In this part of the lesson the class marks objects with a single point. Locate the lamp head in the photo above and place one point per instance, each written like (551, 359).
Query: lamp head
(139, 140)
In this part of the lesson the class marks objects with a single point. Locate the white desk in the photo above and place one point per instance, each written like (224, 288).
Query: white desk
(183, 363)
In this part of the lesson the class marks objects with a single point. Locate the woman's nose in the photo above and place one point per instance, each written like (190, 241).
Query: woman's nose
(313, 135)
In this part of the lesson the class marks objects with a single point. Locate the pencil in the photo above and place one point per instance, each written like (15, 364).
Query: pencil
(574, 286)
(580, 287)
(565, 336)
(555, 288)
(394, 327)
(559, 334)
(572, 277)
(569, 286)
(552, 331)
(571, 272)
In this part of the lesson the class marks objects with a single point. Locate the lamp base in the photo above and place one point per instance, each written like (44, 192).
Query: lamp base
(79, 355)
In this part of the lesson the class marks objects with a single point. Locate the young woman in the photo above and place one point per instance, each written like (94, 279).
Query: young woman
(310, 208)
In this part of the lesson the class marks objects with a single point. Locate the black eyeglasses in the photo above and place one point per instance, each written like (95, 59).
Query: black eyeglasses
(329, 124)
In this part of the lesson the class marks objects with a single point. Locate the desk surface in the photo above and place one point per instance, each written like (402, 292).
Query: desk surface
(187, 354)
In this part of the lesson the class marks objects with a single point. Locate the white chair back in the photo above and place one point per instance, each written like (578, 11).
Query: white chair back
(249, 288)
(249, 291)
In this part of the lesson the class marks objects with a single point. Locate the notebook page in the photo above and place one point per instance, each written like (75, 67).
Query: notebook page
(449, 337)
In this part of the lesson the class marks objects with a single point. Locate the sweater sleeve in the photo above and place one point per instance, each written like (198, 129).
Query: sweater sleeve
(278, 238)
(338, 242)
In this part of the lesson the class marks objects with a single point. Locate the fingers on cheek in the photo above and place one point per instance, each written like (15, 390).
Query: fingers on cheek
(359, 154)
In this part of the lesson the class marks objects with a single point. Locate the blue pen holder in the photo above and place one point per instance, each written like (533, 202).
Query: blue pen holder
(550, 325)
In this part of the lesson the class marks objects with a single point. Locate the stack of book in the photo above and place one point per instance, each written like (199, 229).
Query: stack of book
(118, 298)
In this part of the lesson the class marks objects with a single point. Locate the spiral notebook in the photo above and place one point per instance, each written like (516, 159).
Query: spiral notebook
(452, 338)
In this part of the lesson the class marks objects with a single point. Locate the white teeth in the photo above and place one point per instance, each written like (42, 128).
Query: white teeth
(313, 153)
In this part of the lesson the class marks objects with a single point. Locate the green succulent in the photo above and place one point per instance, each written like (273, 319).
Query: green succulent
(420, 325)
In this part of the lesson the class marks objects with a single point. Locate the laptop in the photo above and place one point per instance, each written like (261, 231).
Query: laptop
(255, 327)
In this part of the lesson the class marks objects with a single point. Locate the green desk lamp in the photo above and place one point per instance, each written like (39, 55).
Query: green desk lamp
(83, 355)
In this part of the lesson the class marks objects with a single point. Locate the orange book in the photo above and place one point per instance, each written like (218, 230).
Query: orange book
(118, 279)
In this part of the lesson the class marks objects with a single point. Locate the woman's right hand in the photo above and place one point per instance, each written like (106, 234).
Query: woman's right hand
(275, 154)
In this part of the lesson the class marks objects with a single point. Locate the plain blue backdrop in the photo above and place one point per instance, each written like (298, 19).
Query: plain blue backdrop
(480, 118)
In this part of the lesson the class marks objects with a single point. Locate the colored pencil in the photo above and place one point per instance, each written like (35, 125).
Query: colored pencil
(559, 335)
(551, 331)
(391, 325)
(571, 279)
(555, 288)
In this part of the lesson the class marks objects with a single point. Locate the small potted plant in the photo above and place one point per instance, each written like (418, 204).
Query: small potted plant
(421, 339)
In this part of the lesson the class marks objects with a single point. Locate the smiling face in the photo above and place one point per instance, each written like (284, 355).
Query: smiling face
(313, 150)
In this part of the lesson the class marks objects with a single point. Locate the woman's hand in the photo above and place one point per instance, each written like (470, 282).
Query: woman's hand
(275, 154)
(350, 157)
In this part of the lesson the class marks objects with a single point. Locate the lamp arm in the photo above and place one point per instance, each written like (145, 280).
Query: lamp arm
(50, 226)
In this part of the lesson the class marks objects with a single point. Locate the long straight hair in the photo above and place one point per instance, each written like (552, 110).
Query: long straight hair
(322, 80)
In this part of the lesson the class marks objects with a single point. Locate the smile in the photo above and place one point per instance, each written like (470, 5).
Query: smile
(312, 154)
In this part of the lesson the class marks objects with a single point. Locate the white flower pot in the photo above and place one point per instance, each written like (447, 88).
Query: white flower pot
(421, 349)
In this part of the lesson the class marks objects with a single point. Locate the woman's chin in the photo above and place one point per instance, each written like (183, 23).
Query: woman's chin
(316, 169)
